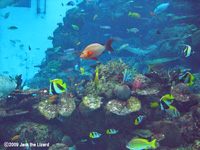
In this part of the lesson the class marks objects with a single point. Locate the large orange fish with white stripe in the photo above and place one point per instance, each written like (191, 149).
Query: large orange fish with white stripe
(94, 50)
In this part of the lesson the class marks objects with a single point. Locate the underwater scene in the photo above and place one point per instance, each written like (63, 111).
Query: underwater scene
(99, 74)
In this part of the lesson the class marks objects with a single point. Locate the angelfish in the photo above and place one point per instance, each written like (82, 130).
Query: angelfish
(94, 50)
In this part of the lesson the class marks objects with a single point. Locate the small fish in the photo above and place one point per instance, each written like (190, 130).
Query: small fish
(69, 50)
(94, 135)
(75, 27)
(50, 38)
(92, 51)
(186, 78)
(157, 67)
(152, 14)
(187, 51)
(78, 43)
(133, 30)
(161, 8)
(117, 38)
(135, 15)
(70, 3)
(6, 15)
(140, 144)
(57, 48)
(15, 137)
(95, 16)
(105, 27)
(57, 86)
(111, 131)
(96, 79)
(12, 28)
(158, 32)
(139, 119)
(154, 104)
(52, 98)
(122, 47)
(82, 71)
(167, 99)
(29, 47)
(107, 34)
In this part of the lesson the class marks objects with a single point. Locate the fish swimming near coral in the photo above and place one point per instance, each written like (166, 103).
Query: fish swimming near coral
(167, 99)
(152, 14)
(122, 47)
(154, 104)
(140, 144)
(161, 8)
(92, 51)
(52, 98)
(157, 67)
(139, 119)
(186, 78)
(82, 71)
(171, 110)
(112, 131)
(94, 135)
(57, 86)
(105, 27)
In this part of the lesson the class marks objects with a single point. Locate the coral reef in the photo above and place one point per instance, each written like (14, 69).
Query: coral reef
(122, 92)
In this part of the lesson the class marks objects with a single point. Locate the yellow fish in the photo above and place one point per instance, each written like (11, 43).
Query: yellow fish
(167, 99)
(187, 78)
(111, 131)
(94, 135)
(154, 104)
(57, 86)
(95, 16)
(78, 43)
(82, 71)
(139, 144)
(75, 27)
(96, 79)
(135, 15)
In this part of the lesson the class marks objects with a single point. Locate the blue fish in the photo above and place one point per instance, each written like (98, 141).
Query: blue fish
(70, 3)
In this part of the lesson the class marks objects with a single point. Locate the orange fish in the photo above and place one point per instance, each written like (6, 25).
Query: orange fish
(92, 51)
(152, 14)
(52, 98)
(15, 137)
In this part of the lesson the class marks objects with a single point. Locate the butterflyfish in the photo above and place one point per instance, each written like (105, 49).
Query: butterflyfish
(139, 119)
(111, 131)
(186, 78)
(57, 86)
(94, 135)
(92, 51)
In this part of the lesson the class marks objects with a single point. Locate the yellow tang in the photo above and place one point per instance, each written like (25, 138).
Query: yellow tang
(82, 71)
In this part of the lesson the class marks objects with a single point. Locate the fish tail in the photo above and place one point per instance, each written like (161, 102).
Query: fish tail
(65, 86)
(153, 143)
(108, 45)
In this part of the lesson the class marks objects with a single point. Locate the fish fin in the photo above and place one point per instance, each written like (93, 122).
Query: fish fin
(153, 143)
(103, 52)
(95, 58)
(65, 86)
(108, 45)
(50, 80)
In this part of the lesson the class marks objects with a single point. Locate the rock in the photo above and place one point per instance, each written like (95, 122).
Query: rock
(58, 146)
(89, 104)
(66, 105)
(122, 92)
(196, 39)
(7, 86)
(171, 132)
(123, 108)
(67, 141)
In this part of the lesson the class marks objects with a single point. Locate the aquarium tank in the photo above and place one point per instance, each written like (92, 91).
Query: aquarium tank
(99, 74)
